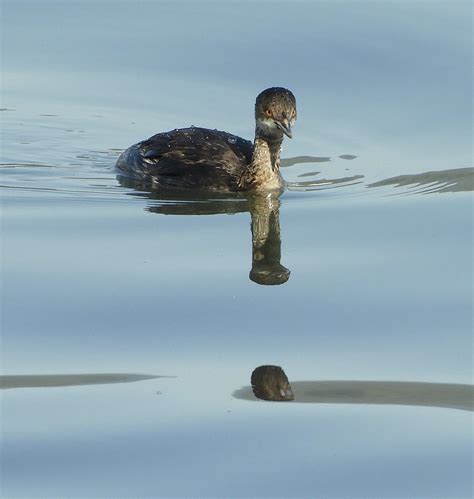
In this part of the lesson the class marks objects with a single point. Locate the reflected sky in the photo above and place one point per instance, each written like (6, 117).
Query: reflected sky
(368, 76)
(104, 277)
(171, 278)
(156, 440)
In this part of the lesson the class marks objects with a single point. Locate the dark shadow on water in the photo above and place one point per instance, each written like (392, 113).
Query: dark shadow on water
(453, 396)
(442, 181)
(308, 174)
(56, 380)
(312, 159)
(316, 184)
(348, 157)
(320, 184)
(455, 180)
(303, 159)
(264, 212)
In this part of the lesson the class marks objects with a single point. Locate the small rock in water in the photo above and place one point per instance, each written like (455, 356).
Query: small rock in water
(271, 383)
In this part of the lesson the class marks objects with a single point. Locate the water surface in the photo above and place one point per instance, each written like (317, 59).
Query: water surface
(358, 278)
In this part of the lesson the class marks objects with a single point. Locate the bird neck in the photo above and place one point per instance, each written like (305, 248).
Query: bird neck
(266, 152)
(264, 169)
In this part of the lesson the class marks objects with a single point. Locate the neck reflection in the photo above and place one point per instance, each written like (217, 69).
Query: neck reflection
(264, 209)
(266, 241)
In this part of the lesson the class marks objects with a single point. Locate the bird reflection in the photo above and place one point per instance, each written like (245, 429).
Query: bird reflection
(264, 211)
(266, 241)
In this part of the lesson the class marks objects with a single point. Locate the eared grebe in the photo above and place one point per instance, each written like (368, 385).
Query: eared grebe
(199, 158)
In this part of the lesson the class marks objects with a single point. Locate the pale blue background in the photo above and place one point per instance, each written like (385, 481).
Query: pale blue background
(381, 283)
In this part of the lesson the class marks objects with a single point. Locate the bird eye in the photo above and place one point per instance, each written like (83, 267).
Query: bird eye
(269, 113)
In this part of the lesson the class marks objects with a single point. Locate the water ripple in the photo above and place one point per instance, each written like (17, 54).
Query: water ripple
(455, 180)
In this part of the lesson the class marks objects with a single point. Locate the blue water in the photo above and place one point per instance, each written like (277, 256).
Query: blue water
(375, 228)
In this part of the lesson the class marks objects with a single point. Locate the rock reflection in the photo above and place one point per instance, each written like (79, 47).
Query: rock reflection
(447, 395)
(271, 383)
(264, 211)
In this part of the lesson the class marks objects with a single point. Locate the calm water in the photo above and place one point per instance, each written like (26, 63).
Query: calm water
(131, 323)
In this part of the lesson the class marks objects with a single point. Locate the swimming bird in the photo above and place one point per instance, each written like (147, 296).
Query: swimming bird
(213, 160)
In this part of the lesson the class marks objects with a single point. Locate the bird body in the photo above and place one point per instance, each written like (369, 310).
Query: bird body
(213, 160)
